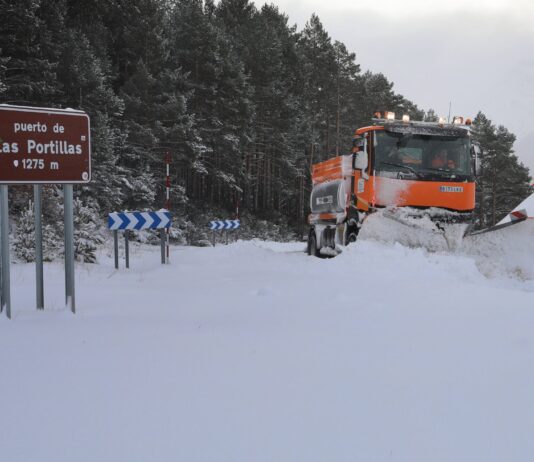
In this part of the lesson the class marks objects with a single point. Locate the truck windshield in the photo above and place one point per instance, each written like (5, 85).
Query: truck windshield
(421, 156)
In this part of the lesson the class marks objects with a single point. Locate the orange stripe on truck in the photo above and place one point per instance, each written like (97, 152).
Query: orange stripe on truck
(336, 168)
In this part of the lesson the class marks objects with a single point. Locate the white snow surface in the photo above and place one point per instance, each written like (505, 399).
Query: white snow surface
(256, 352)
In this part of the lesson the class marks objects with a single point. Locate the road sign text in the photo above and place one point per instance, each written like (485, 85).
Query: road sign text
(39, 145)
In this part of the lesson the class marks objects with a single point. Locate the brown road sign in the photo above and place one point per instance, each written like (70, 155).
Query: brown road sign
(42, 145)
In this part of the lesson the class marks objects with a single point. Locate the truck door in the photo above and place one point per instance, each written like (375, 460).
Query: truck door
(362, 168)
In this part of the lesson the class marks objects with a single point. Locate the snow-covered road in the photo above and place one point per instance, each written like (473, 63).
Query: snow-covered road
(256, 352)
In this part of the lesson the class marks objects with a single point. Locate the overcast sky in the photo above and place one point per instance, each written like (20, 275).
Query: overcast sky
(476, 54)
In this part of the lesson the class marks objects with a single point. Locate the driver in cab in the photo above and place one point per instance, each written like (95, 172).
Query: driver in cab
(442, 160)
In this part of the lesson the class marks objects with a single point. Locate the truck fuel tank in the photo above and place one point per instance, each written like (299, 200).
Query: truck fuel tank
(330, 196)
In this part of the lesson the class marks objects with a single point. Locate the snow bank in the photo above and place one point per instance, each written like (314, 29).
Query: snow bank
(507, 251)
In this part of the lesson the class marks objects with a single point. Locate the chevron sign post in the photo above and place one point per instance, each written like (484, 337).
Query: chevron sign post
(124, 221)
(223, 225)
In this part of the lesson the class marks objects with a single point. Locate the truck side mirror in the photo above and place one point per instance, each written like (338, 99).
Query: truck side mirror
(360, 160)
(476, 154)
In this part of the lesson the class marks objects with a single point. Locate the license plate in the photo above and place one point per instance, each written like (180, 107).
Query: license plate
(451, 189)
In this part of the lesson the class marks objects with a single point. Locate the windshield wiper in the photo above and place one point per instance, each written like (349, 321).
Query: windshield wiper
(444, 171)
(437, 169)
(410, 169)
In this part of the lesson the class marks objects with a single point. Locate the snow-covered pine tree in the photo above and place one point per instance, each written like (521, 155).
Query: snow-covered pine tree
(318, 58)
(87, 86)
(431, 116)
(87, 236)
(24, 237)
(347, 71)
(219, 103)
(53, 222)
(270, 160)
(505, 182)
(28, 53)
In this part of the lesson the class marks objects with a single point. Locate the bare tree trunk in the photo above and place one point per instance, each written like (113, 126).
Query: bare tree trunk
(494, 194)
(257, 183)
(312, 151)
(327, 133)
(268, 184)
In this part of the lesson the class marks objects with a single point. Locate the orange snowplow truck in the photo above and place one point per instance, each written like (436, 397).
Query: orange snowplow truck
(426, 166)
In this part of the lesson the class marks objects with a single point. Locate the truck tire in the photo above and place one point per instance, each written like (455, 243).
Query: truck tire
(352, 237)
(312, 245)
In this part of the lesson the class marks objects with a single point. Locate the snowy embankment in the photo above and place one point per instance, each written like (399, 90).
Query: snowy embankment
(256, 352)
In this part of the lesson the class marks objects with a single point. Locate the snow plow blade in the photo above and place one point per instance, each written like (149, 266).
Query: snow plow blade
(434, 229)
(515, 217)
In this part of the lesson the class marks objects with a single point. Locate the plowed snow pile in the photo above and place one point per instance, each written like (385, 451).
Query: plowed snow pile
(508, 251)
(256, 352)
(410, 232)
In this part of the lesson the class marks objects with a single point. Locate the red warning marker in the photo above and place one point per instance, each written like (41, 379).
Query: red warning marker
(518, 215)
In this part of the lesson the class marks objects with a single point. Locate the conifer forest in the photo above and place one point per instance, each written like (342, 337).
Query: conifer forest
(242, 100)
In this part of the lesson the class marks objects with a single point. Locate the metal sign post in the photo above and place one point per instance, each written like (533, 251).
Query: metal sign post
(39, 283)
(1, 284)
(168, 197)
(70, 299)
(162, 243)
(116, 248)
(1, 253)
(4, 228)
(127, 248)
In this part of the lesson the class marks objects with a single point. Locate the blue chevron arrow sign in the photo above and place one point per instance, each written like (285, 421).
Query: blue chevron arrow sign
(139, 220)
(224, 224)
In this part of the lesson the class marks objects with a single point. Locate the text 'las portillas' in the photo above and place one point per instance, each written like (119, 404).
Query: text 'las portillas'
(36, 147)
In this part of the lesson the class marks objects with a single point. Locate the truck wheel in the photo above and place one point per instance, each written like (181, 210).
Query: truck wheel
(352, 237)
(312, 245)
